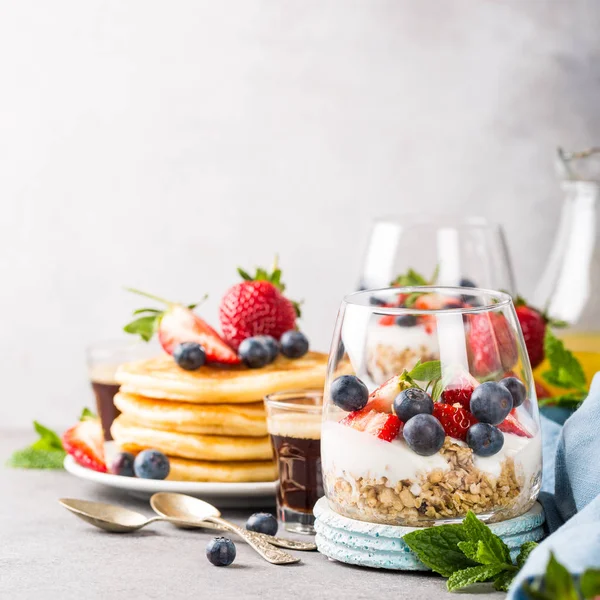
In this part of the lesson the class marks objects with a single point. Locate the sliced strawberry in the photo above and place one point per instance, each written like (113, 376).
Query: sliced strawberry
(460, 389)
(383, 397)
(387, 320)
(491, 343)
(430, 302)
(455, 421)
(85, 443)
(383, 426)
(179, 324)
(512, 425)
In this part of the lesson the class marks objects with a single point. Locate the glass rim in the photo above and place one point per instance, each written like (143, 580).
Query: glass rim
(284, 400)
(439, 220)
(358, 299)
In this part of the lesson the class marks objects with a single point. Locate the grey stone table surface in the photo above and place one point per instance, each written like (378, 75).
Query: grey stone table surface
(47, 553)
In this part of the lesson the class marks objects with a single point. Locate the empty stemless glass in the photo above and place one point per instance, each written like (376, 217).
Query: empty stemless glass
(470, 252)
(454, 428)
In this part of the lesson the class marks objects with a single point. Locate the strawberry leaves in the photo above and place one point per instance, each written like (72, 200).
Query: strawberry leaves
(147, 324)
(467, 553)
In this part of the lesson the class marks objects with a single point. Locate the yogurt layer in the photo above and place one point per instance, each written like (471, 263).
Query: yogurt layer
(360, 454)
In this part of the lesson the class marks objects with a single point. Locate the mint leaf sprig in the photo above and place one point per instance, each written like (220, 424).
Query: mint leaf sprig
(565, 372)
(429, 373)
(47, 451)
(411, 279)
(558, 584)
(467, 553)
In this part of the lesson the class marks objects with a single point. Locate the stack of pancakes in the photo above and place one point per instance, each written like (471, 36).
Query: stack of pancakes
(210, 422)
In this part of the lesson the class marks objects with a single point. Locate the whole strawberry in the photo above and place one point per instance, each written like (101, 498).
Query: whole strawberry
(256, 306)
(533, 323)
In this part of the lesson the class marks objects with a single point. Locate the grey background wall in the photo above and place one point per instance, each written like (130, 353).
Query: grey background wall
(161, 144)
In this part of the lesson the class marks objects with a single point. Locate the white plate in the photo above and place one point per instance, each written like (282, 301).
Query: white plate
(222, 494)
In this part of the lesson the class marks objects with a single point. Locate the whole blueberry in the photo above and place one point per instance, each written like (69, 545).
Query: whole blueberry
(424, 434)
(271, 344)
(189, 355)
(151, 464)
(485, 439)
(411, 402)
(406, 320)
(517, 389)
(220, 551)
(349, 393)
(294, 344)
(254, 353)
(491, 403)
(466, 282)
(262, 523)
(375, 301)
(122, 464)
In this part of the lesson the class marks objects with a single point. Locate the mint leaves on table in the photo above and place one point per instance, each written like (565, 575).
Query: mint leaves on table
(565, 372)
(47, 452)
(558, 584)
(467, 553)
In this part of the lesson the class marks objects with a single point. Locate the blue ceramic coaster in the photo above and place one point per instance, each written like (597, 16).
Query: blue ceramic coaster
(382, 547)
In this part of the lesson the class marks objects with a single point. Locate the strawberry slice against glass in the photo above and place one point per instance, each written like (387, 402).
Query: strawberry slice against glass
(383, 397)
(512, 425)
(178, 324)
(85, 443)
(382, 425)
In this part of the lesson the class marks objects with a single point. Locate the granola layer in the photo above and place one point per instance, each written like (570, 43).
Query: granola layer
(435, 495)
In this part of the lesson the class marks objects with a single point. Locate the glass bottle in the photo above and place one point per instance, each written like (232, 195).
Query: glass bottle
(569, 289)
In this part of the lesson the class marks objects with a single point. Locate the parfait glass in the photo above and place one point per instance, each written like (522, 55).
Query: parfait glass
(442, 250)
(453, 426)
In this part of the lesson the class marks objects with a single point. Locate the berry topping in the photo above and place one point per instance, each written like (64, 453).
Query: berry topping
(491, 343)
(375, 301)
(385, 427)
(485, 439)
(122, 464)
(294, 344)
(455, 421)
(349, 393)
(411, 402)
(517, 389)
(424, 434)
(85, 443)
(151, 464)
(262, 523)
(256, 306)
(254, 353)
(512, 425)
(189, 355)
(533, 325)
(382, 399)
(272, 345)
(406, 320)
(491, 402)
(220, 551)
(465, 282)
(178, 324)
(430, 301)
(387, 320)
(459, 390)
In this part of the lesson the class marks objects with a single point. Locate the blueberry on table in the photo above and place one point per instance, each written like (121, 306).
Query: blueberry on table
(254, 353)
(151, 464)
(411, 402)
(424, 435)
(271, 344)
(485, 439)
(122, 464)
(189, 355)
(262, 523)
(349, 393)
(294, 344)
(491, 402)
(517, 390)
(406, 320)
(220, 551)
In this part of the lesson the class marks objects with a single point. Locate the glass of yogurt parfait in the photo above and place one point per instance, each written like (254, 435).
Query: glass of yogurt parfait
(454, 427)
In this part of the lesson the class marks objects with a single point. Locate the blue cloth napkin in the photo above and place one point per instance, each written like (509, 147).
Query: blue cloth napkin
(570, 491)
